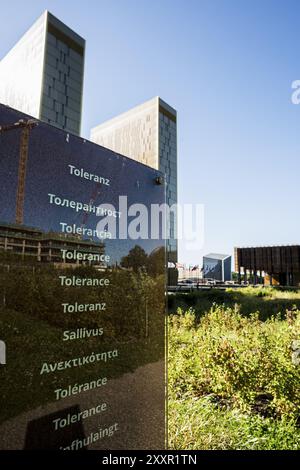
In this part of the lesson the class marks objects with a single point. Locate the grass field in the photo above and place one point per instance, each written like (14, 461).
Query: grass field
(233, 373)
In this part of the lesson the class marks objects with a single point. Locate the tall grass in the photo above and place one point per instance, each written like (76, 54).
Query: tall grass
(232, 381)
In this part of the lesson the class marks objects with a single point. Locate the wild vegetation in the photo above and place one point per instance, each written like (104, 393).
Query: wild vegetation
(234, 370)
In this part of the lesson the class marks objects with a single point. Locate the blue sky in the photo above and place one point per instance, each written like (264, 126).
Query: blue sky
(227, 67)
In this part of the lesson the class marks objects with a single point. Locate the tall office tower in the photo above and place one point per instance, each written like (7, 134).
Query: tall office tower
(148, 134)
(42, 75)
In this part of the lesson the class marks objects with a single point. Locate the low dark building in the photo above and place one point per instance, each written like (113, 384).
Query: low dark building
(271, 265)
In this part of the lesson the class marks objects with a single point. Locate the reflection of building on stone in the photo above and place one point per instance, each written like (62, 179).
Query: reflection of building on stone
(148, 134)
(33, 244)
(217, 267)
(271, 265)
(2, 352)
(25, 126)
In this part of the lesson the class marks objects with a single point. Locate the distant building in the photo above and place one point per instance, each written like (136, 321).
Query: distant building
(42, 75)
(148, 134)
(216, 266)
(271, 265)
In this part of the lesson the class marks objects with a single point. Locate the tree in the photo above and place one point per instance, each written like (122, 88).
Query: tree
(136, 259)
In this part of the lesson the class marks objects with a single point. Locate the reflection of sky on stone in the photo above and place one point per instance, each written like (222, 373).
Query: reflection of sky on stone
(48, 172)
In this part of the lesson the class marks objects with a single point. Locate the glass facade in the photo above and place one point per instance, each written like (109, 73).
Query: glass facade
(43, 74)
(148, 134)
(212, 269)
(217, 267)
(134, 134)
(21, 71)
(168, 165)
(63, 77)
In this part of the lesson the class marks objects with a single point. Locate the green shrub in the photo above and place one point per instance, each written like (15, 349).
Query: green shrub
(236, 364)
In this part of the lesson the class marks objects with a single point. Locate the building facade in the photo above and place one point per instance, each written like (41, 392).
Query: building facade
(271, 265)
(148, 134)
(217, 267)
(42, 75)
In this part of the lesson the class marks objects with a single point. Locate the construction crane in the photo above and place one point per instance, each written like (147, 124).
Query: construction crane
(94, 196)
(26, 127)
